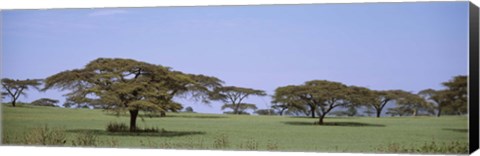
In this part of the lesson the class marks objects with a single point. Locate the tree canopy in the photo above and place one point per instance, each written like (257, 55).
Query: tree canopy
(128, 85)
(233, 97)
(321, 96)
(45, 102)
(15, 88)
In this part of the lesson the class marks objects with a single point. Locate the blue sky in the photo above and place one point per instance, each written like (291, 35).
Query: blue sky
(409, 46)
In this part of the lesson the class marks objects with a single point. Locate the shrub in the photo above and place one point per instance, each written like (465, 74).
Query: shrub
(221, 142)
(45, 102)
(121, 127)
(117, 127)
(45, 136)
(432, 147)
(85, 139)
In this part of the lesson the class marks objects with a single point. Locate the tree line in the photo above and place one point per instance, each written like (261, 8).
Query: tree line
(321, 97)
(127, 85)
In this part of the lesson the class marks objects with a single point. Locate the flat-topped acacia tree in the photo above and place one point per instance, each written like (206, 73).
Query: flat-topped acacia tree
(15, 88)
(128, 85)
(321, 96)
(233, 97)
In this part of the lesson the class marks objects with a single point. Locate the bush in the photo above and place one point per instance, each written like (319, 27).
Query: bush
(85, 139)
(221, 142)
(432, 147)
(45, 136)
(45, 102)
(121, 127)
(117, 127)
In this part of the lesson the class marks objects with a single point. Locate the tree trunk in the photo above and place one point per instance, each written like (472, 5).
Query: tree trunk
(281, 112)
(439, 112)
(133, 120)
(163, 114)
(414, 112)
(379, 112)
(320, 120)
(14, 102)
(237, 107)
(312, 110)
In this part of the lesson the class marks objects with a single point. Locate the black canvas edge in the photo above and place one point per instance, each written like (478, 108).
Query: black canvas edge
(473, 81)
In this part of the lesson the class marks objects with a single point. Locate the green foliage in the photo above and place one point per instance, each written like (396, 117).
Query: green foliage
(189, 109)
(45, 102)
(412, 103)
(15, 88)
(432, 147)
(456, 95)
(85, 139)
(45, 136)
(117, 127)
(266, 112)
(221, 142)
(123, 85)
(321, 96)
(233, 96)
(121, 127)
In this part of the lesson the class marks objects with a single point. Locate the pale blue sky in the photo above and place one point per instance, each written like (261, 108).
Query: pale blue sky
(409, 46)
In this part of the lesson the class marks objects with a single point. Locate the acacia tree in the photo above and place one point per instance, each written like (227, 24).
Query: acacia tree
(45, 102)
(15, 88)
(285, 98)
(439, 98)
(233, 97)
(121, 85)
(413, 103)
(320, 95)
(382, 98)
(457, 95)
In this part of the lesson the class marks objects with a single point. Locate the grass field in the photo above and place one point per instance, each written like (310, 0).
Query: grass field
(240, 132)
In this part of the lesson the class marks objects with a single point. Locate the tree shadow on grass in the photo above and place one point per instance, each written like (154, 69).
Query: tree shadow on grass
(456, 130)
(196, 116)
(153, 134)
(346, 124)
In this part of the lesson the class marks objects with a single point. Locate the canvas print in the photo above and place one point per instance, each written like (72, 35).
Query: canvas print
(369, 77)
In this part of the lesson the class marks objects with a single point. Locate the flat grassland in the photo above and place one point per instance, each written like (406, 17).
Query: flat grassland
(240, 132)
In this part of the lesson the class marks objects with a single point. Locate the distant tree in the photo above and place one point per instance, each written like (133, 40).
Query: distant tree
(15, 88)
(320, 95)
(126, 85)
(382, 98)
(266, 112)
(437, 98)
(457, 95)
(189, 109)
(286, 99)
(398, 111)
(45, 102)
(412, 102)
(233, 97)
(369, 111)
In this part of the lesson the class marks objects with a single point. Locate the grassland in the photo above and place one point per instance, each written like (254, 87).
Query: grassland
(240, 132)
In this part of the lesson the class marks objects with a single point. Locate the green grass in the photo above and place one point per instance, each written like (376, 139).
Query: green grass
(241, 132)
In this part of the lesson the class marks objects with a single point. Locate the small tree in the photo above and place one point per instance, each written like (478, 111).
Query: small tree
(189, 109)
(413, 103)
(233, 97)
(382, 98)
(15, 88)
(266, 112)
(320, 95)
(45, 102)
(286, 99)
(457, 95)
